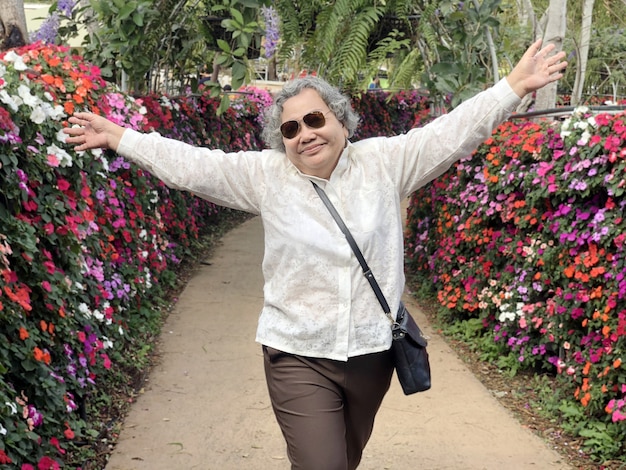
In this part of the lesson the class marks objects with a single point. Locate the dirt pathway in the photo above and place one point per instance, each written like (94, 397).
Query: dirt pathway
(205, 405)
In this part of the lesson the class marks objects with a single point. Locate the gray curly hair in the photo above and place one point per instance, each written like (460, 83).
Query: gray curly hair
(338, 103)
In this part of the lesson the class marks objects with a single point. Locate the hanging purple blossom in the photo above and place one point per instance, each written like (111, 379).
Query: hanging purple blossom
(272, 32)
(65, 7)
(48, 30)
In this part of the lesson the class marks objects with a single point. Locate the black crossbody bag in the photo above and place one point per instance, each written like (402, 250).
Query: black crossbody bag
(409, 345)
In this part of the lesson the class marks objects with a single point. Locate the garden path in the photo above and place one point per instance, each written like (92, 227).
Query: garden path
(205, 405)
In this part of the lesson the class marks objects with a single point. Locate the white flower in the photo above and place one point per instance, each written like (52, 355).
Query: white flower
(61, 136)
(581, 111)
(64, 158)
(107, 343)
(38, 116)
(56, 113)
(505, 314)
(12, 102)
(565, 127)
(3, 430)
(97, 153)
(13, 407)
(581, 125)
(31, 100)
(584, 138)
(18, 62)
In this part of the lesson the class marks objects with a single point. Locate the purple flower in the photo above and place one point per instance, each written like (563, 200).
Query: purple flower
(48, 30)
(35, 415)
(272, 32)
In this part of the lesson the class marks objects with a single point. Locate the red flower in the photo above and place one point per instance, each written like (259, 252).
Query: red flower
(4, 458)
(48, 463)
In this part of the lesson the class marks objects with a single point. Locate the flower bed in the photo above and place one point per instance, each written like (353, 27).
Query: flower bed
(526, 238)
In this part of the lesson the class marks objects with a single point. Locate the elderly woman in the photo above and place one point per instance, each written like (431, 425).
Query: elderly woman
(325, 339)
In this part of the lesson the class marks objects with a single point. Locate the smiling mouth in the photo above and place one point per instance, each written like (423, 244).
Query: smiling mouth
(312, 149)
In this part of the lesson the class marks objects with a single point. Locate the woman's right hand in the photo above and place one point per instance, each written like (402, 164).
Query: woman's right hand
(90, 131)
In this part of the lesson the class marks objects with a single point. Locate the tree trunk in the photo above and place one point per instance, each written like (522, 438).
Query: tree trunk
(554, 33)
(583, 52)
(526, 15)
(13, 30)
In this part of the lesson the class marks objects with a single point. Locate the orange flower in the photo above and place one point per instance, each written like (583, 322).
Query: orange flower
(47, 78)
(617, 363)
(585, 386)
(596, 293)
(586, 399)
(68, 106)
(42, 356)
(23, 333)
(597, 271)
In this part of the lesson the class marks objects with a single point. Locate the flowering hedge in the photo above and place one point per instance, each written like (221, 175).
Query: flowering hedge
(384, 113)
(528, 236)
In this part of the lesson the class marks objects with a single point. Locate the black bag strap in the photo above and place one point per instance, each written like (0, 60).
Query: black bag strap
(367, 272)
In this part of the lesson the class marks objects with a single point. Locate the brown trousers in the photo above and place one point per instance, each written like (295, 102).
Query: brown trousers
(326, 408)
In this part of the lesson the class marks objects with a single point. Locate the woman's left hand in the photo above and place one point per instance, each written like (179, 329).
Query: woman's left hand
(536, 69)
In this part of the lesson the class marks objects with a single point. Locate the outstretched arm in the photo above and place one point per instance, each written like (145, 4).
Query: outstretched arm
(93, 131)
(536, 69)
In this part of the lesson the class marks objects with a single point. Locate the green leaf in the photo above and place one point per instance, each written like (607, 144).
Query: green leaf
(223, 45)
(126, 11)
(138, 19)
(222, 59)
(236, 14)
(239, 72)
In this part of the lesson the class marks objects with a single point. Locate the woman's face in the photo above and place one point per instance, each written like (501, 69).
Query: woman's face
(313, 151)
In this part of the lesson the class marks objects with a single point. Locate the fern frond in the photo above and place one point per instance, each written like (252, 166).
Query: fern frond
(407, 73)
(351, 55)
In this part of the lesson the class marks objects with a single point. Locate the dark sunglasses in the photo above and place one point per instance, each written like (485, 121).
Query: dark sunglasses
(314, 120)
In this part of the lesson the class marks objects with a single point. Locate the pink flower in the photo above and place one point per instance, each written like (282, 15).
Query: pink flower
(53, 161)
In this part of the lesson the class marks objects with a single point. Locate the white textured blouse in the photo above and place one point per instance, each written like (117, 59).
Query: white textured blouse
(317, 302)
